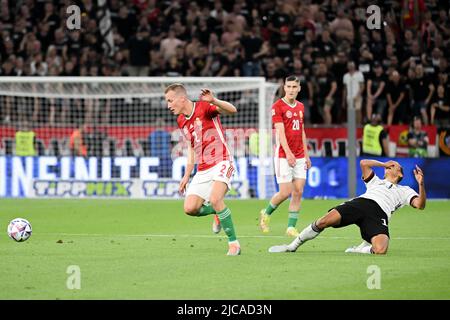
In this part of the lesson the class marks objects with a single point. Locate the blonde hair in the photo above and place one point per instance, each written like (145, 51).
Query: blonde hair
(177, 87)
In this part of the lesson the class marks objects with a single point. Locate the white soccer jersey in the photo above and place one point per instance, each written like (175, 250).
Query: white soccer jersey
(389, 196)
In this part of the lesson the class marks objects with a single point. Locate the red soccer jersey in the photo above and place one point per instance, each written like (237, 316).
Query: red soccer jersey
(292, 119)
(204, 130)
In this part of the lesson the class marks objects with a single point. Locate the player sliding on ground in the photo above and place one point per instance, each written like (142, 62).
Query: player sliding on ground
(200, 124)
(370, 212)
(291, 156)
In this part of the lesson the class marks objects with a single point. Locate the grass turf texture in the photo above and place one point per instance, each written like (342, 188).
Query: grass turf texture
(151, 250)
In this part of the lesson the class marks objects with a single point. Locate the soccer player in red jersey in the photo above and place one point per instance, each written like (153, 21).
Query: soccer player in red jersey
(200, 124)
(291, 155)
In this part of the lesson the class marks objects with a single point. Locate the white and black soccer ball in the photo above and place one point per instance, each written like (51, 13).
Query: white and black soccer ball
(19, 229)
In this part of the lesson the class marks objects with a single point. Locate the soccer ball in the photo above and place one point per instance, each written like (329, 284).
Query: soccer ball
(19, 230)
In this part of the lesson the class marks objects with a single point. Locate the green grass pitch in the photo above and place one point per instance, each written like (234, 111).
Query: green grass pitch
(151, 250)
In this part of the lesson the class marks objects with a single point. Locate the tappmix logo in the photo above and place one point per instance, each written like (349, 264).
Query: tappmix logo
(169, 189)
(44, 188)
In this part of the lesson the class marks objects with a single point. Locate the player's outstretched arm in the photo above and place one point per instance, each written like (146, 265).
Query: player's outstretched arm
(420, 201)
(224, 106)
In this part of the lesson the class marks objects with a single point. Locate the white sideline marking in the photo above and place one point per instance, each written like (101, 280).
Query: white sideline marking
(216, 236)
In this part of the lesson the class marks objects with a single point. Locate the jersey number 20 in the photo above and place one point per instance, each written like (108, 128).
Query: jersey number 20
(295, 124)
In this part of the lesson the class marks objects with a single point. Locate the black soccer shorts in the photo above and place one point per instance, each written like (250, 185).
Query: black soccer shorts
(366, 214)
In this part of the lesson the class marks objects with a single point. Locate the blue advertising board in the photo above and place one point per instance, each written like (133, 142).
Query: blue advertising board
(67, 176)
(328, 177)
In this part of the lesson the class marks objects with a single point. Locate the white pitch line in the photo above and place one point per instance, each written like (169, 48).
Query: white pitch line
(216, 236)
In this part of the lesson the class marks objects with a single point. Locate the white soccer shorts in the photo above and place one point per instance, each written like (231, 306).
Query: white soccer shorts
(202, 182)
(285, 173)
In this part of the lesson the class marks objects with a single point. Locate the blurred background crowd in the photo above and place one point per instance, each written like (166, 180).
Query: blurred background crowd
(403, 66)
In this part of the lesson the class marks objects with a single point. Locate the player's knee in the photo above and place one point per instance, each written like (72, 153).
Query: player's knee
(284, 194)
(297, 194)
(190, 210)
(323, 223)
(216, 202)
(379, 248)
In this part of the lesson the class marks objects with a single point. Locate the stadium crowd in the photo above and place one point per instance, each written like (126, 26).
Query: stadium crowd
(404, 64)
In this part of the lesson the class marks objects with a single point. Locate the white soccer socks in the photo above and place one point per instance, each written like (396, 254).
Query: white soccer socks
(309, 233)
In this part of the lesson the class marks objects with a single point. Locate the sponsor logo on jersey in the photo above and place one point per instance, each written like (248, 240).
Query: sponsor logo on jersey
(289, 114)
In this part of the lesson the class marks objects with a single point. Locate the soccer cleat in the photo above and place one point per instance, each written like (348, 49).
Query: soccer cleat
(264, 220)
(358, 249)
(291, 232)
(216, 226)
(281, 248)
(234, 249)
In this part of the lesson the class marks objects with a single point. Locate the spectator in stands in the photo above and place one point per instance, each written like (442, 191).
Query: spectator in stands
(139, 52)
(25, 140)
(395, 94)
(125, 22)
(365, 61)
(326, 89)
(307, 33)
(38, 67)
(417, 139)
(422, 92)
(197, 63)
(440, 109)
(45, 36)
(353, 88)
(7, 69)
(60, 40)
(306, 95)
(19, 69)
(217, 62)
(7, 48)
(237, 18)
(230, 37)
(77, 144)
(233, 63)
(218, 12)
(53, 60)
(73, 46)
(169, 44)
(157, 67)
(252, 45)
(173, 68)
(376, 96)
(50, 17)
(375, 139)
(69, 69)
(342, 26)
(326, 45)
